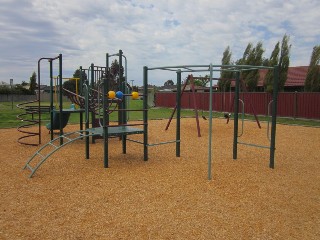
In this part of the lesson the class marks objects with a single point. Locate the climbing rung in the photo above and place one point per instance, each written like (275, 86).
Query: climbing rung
(28, 166)
(69, 139)
(81, 134)
(52, 145)
(40, 155)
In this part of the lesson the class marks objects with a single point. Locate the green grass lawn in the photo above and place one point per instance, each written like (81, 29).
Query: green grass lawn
(8, 115)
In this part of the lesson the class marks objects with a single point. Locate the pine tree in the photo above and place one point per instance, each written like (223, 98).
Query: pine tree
(33, 83)
(312, 82)
(284, 61)
(273, 61)
(252, 56)
(224, 83)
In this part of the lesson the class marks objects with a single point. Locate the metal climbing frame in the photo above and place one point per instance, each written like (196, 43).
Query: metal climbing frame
(122, 129)
(54, 145)
(37, 109)
(51, 147)
(237, 69)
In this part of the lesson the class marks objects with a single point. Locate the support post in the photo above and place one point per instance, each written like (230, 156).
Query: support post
(122, 113)
(210, 127)
(145, 113)
(236, 116)
(178, 99)
(51, 100)
(87, 117)
(105, 115)
(93, 116)
(60, 97)
(274, 115)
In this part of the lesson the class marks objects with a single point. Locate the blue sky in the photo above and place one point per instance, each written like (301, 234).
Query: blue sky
(150, 33)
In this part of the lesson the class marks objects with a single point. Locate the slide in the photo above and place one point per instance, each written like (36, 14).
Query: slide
(56, 121)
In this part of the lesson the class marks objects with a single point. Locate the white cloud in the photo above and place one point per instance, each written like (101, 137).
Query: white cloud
(152, 33)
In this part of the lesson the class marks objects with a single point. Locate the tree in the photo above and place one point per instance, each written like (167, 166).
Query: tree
(312, 82)
(273, 61)
(201, 81)
(24, 83)
(225, 81)
(114, 75)
(81, 75)
(284, 61)
(169, 83)
(252, 56)
(33, 83)
(71, 83)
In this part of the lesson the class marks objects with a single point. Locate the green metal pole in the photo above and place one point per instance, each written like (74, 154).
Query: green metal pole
(178, 97)
(86, 107)
(123, 102)
(274, 115)
(210, 127)
(93, 116)
(236, 116)
(60, 97)
(105, 115)
(145, 113)
(51, 100)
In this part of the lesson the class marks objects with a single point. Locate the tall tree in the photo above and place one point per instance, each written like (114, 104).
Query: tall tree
(252, 56)
(114, 75)
(81, 76)
(284, 61)
(168, 83)
(77, 74)
(33, 83)
(225, 76)
(312, 82)
(273, 61)
(201, 81)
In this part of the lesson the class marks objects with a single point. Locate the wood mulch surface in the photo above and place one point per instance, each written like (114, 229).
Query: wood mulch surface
(165, 197)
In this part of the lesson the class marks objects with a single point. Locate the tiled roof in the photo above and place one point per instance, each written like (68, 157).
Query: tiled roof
(296, 76)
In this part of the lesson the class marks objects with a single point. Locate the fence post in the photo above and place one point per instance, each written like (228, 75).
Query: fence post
(295, 105)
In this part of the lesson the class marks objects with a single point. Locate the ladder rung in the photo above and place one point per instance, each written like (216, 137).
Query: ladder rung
(27, 165)
(52, 145)
(69, 139)
(80, 134)
(40, 155)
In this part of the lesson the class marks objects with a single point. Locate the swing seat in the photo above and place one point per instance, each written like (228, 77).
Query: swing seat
(227, 115)
(56, 121)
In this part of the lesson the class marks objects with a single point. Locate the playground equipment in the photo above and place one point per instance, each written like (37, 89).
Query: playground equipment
(56, 121)
(99, 79)
(34, 108)
(237, 69)
(244, 89)
(190, 81)
(98, 85)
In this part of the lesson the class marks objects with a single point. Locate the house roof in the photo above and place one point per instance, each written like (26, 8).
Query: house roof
(296, 76)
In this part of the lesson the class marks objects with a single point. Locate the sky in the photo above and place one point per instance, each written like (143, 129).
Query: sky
(150, 33)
